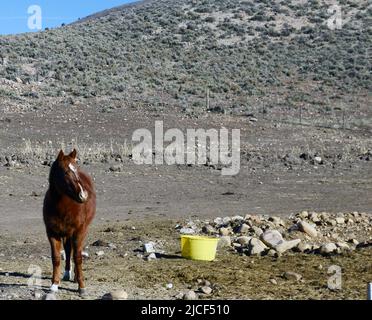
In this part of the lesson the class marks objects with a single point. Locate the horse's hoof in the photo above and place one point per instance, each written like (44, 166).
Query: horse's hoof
(83, 292)
(67, 276)
(54, 288)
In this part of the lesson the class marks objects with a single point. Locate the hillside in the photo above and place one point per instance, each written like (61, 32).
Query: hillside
(169, 53)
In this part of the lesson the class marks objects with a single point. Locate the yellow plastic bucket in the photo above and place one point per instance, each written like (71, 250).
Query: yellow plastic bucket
(198, 248)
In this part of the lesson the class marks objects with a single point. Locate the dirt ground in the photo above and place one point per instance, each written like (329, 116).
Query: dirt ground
(154, 199)
(231, 276)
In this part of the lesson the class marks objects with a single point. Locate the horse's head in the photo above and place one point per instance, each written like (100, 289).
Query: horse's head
(64, 176)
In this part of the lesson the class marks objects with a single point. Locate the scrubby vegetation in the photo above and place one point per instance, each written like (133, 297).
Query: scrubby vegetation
(170, 52)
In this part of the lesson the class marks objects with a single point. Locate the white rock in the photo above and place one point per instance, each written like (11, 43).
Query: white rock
(272, 238)
(237, 218)
(149, 247)
(206, 289)
(328, 248)
(151, 256)
(100, 253)
(208, 229)
(256, 247)
(244, 228)
(273, 281)
(190, 295)
(49, 296)
(224, 231)
(304, 247)
(343, 246)
(187, 231)
(85, 254)
(303, 214)
(276, 221)
(289, 275)
(116, 295)
(224, 241)
(226, 220)
(169, 286)
(340, 220)
(258, 231)
(318, 160)
(287, 245)
(307, 228)
(243, 240)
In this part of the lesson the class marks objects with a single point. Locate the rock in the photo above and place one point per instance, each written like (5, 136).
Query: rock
(276, 221)
(304, 247)
(237, 218)
(85, 254)
(318, 160)
(340, 220)
(206, 289)
(343, 246)
(272, 253)
(208, 229)
(303, 214)
(256, 219)
(190, 295)
(258, 231)
(243, 240)
(332, 222)
(226, 220)
(187, 231)
(100, 243)
(49, 296)
(328, 248)
(218, 221)
(115, 168)
(289, 275)
(149, 247)
(307, 228)
(287, 245)
(272, 238)
(116, 295)
(38, 295)
(349, 221)
(204, 282)
(100, 253)
(353, 241)
(273, 281)
(112, 246)
(225, 241)
(63, 255)
(256, 247)
(151, 256)
(169, 286)
(224, 231)
(244, 228)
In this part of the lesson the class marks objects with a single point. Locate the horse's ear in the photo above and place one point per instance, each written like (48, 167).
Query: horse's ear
(73, 154)
(60, 155)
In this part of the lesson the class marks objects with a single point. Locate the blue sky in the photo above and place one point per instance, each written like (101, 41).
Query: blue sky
(14, 14)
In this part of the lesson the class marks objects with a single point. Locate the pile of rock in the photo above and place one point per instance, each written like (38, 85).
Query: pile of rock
(306, 232)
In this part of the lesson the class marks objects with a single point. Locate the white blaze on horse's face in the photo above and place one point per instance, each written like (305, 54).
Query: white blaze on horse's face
(83, 195)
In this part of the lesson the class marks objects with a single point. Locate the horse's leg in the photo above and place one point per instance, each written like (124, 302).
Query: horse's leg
(55, 244)
(67, 246)
(77, 248)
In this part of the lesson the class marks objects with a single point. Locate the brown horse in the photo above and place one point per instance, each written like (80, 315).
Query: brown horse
(69, 208)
